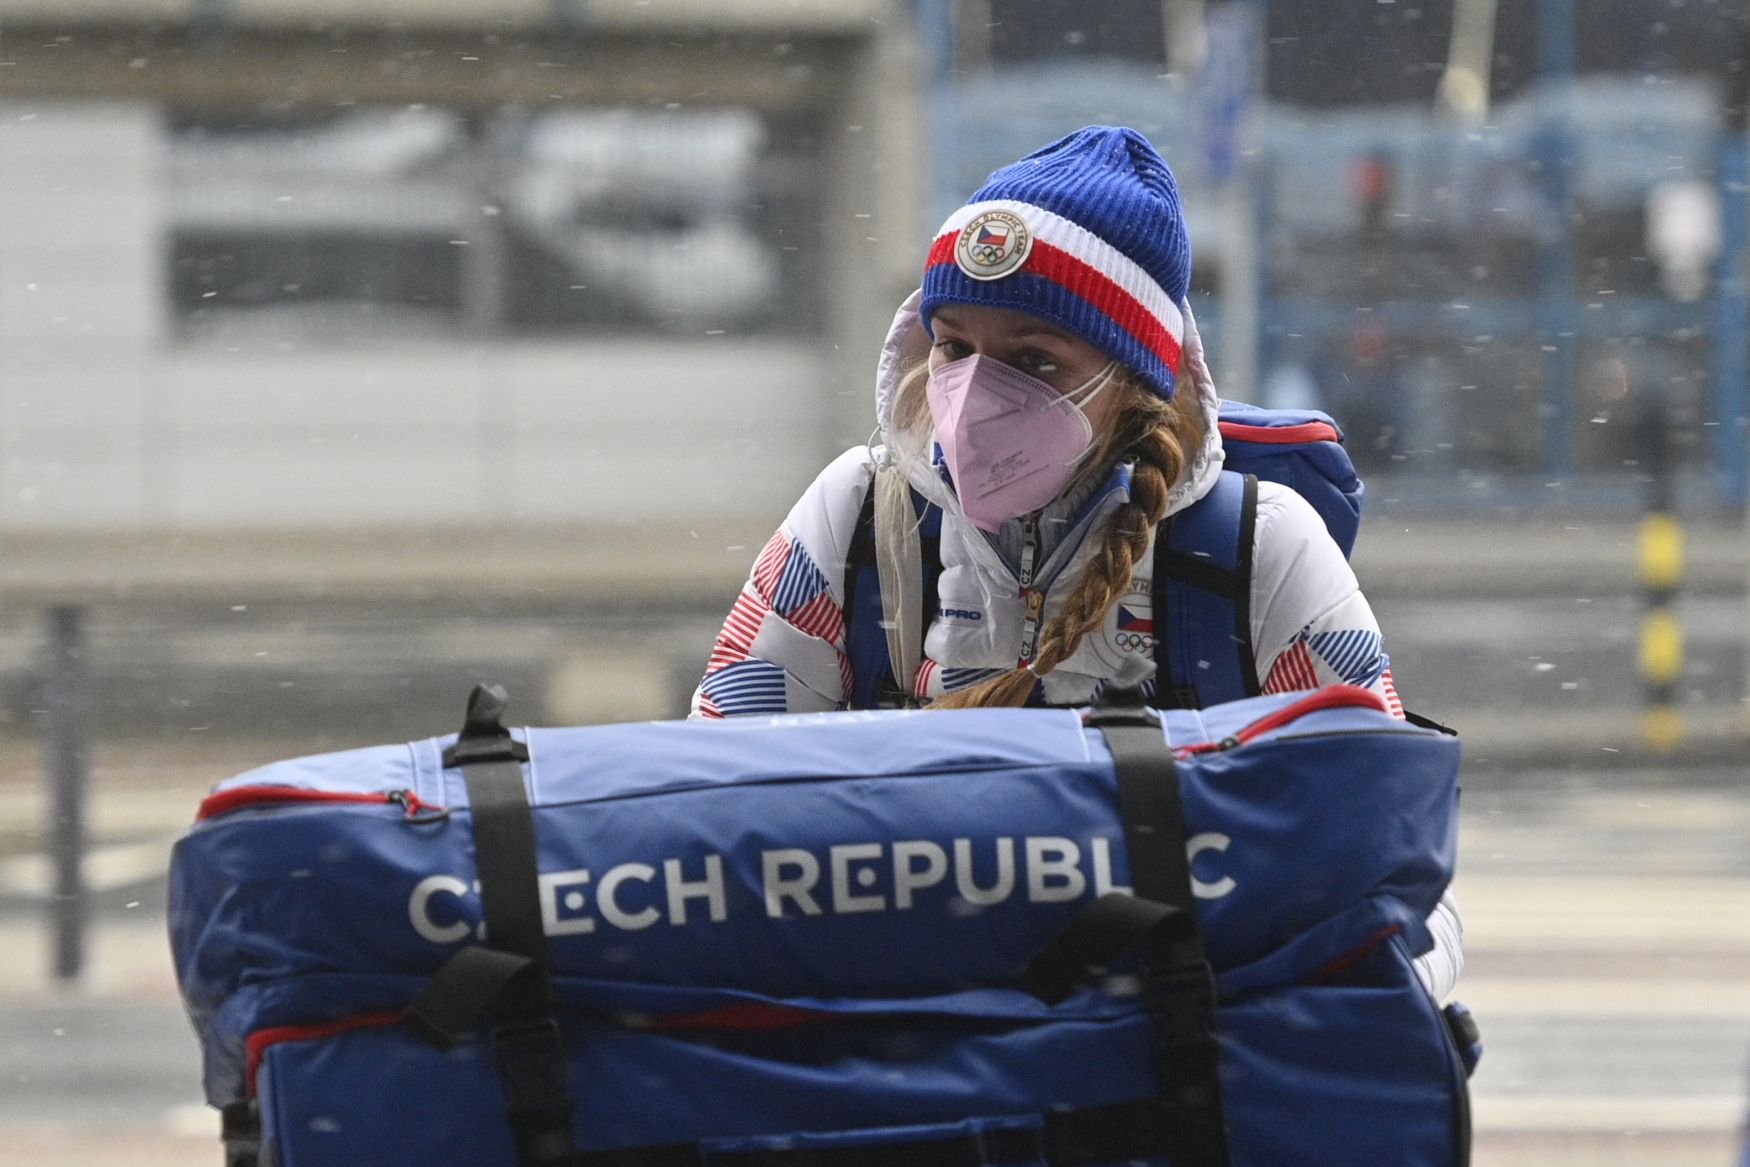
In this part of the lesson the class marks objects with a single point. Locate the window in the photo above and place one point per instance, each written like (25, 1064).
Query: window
(369, 222)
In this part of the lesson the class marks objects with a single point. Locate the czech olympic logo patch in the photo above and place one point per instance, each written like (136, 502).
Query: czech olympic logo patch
(993, 245)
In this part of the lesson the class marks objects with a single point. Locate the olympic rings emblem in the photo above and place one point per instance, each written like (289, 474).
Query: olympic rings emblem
(1133, 642)
(993, 244)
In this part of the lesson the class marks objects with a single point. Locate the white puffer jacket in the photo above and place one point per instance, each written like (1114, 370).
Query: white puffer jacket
(782, 647)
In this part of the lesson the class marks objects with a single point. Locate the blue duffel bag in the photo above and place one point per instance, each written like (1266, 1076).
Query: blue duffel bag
(1004, 936)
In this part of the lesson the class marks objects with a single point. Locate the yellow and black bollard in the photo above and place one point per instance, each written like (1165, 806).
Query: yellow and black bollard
(1661, 555)
(1661, 569)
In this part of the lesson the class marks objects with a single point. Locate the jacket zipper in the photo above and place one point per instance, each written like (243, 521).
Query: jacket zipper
(244, 797)
(1033, 596)
(1330, 697)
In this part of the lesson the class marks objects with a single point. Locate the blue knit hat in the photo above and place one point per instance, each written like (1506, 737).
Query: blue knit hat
(1088, 234)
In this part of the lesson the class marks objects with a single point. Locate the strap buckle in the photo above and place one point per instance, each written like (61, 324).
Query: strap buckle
(240, 1133)
(484, 737)
(531, 1060)
(476, 751)
(1181, 1003)
(1120, 705)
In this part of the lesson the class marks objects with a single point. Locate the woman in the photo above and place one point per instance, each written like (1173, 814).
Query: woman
(1046, 390)
(1051, 330)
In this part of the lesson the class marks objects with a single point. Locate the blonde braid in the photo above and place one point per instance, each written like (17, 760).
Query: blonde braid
(1151, 432)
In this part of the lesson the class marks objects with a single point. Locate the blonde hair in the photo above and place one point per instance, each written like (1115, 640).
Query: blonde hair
(1156, 433)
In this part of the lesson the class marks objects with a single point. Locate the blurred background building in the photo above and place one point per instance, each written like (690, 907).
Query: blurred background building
(352, 352)
(286, 280)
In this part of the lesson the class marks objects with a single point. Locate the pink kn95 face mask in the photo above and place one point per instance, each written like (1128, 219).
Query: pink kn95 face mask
(1012, 442)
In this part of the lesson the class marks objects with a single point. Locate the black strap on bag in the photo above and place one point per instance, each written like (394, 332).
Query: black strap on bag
(1158, 917)
(240, 1133)
(505, 982)
(1107, 929)
(1420, 722)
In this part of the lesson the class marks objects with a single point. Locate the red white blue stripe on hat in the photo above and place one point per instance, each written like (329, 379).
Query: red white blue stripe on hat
(1075, 258)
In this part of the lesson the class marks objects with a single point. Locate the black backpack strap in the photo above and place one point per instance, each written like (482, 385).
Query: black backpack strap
(506, 981)
(1242, 598)
(1201, 595)
(1158, 917)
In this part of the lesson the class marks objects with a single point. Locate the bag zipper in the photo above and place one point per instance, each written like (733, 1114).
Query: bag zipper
(1035, 599)
(1330, 697)
(414, 808)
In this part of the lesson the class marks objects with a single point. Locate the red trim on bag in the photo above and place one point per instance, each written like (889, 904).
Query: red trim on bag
(257, 1043)
(1342, 964)
(1330, 697)
(243, 797)
(749, 1015)
(1281, 435)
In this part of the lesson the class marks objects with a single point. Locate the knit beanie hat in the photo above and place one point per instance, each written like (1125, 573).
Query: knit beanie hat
(1088, 234)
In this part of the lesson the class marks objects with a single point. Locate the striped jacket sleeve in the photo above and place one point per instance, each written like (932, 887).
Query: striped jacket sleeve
(1311, 625)
(782, 646)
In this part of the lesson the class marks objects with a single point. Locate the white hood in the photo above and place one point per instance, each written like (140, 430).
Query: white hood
(908, 344)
